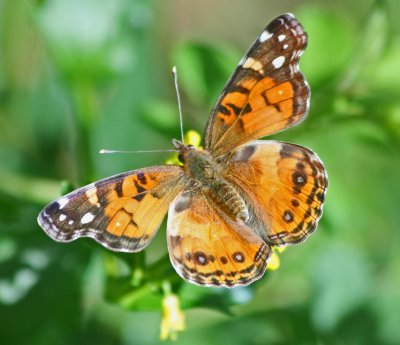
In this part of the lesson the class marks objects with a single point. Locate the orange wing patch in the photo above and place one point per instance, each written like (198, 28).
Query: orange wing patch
(234, 102)
(279, 93)
(269, 108)
(285, 185)
(208, 248)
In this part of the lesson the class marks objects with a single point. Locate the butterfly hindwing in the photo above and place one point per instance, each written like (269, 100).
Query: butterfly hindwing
(284, 186)
(208, 247)
(122, 212)
(266, 94)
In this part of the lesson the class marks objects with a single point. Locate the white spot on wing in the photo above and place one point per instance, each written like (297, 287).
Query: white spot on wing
(285, 46)
(248, 63)
(293, 69)
(238, 257)
(288, 217)
(71, 222)
(253, 64)
(265, 36)
(62, 202)
(87, 218)
(281, 38)
(62, 217)
(202, 259)
(278, 62)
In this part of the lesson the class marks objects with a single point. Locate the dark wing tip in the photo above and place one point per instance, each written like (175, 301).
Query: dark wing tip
(288, 20)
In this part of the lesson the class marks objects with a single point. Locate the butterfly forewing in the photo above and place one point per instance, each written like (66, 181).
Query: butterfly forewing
(266, 94)
(122, 212)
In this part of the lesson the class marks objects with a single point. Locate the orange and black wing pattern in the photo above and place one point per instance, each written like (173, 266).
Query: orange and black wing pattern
(208, 247)
(267, 92)
(122, 212)
(284, 186)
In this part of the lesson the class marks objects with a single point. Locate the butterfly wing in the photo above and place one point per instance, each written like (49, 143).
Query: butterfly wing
(209, 248)
(284, 186)
(267, 92)
(122, 212)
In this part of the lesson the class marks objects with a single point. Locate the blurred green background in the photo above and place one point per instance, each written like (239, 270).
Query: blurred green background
(77, 76)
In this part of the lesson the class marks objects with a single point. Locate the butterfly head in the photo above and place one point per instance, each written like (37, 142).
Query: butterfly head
(197, 162)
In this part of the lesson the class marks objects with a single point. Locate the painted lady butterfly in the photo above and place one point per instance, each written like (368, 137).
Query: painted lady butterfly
(229, 202)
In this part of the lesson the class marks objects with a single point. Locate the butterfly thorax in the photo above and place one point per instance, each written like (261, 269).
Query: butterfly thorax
(206, 175)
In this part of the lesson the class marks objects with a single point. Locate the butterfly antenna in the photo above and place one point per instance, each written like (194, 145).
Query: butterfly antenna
(175, 74)
(137, 151)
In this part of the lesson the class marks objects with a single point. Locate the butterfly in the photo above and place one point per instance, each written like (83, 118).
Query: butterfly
(229, 203)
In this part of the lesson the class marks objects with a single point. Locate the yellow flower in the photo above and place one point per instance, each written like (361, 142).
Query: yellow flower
(173, 319)
(191, 138)
(274, 261)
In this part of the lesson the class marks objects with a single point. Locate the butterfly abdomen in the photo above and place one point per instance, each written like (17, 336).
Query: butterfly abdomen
(203, 169)
(228, 199)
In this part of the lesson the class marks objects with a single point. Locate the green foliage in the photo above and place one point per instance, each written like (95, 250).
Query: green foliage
(78, 76)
